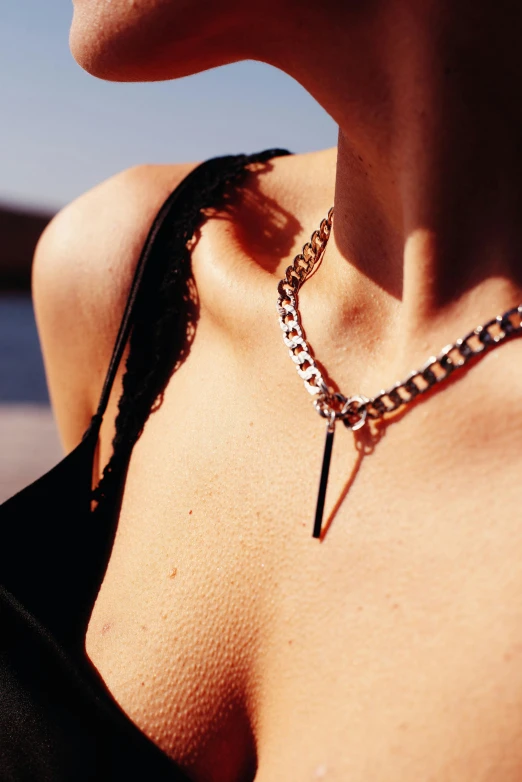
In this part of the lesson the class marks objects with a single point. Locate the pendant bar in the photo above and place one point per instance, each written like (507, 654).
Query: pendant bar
(323, 483)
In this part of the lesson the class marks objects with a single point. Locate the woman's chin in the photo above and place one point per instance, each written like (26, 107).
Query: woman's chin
(123, 41)
(88, 47)
(105, 47)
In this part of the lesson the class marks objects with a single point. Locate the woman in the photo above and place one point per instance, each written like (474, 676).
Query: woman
(239, 646)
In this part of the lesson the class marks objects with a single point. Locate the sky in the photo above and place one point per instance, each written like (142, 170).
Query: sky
(63, 131)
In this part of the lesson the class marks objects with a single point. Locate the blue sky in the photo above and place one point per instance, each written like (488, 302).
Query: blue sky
(62, 131)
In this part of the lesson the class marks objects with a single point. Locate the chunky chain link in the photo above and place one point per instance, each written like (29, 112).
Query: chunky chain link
(288, 308)
(354, 411)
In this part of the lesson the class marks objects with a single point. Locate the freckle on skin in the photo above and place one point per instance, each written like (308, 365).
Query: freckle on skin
(190, 513)
(173, 573)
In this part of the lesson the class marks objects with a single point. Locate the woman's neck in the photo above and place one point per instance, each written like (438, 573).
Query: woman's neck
(428, 205)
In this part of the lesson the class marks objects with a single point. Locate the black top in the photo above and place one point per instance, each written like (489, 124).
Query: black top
(57, 719)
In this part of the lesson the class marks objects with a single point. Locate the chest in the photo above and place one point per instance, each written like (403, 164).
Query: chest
(234, 640)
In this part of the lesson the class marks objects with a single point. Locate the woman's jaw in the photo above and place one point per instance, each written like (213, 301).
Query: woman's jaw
(155, 40)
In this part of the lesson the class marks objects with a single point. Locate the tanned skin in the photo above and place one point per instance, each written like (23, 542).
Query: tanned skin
(391, 651)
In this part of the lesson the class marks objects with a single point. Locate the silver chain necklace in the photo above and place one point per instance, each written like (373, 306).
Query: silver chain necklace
(355, 411)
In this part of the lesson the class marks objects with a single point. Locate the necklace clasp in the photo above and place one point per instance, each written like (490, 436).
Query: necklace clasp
(355, 408)
(353, 412)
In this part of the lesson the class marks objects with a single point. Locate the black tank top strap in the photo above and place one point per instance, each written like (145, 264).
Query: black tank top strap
(177, 219)
(159, 318)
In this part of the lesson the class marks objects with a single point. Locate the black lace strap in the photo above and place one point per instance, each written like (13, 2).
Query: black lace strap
(177, 218)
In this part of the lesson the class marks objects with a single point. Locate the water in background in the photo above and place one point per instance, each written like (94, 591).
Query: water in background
(22, 376)
(29, 443)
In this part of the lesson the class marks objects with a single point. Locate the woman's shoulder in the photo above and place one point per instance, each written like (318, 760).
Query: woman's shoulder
(99, 236)
(82, 272)
(103, 226)
(86, 258)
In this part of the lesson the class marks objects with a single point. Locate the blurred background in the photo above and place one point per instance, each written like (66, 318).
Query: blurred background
(63, 132)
